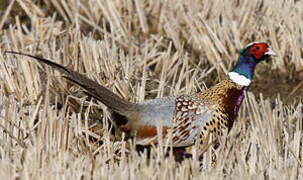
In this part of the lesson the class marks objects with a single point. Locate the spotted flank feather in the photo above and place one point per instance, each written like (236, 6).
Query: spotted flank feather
(190, 116)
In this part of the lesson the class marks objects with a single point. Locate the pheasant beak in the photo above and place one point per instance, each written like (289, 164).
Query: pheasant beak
(270, 52)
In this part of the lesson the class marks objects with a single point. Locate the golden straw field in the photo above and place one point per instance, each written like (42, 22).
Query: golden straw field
(143, 49)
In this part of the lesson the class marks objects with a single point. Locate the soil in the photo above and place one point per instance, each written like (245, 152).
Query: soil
(271, 83)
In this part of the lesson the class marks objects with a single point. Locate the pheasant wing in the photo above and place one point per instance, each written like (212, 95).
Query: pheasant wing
(191, 115)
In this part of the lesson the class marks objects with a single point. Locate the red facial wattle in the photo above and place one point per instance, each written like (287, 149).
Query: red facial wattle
(258, 50)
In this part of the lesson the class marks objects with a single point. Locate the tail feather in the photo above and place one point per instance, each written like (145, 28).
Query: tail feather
(91, 87)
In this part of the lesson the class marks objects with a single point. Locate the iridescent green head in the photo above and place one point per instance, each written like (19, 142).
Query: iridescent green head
(249, 57)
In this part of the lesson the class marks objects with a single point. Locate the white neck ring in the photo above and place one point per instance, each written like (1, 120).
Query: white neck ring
(239, 79)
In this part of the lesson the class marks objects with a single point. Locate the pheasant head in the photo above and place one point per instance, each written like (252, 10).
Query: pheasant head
(249, 57)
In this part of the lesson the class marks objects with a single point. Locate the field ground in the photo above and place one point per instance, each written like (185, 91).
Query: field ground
(49, 129)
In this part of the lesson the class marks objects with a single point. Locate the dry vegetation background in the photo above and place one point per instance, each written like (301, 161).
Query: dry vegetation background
(141, 49)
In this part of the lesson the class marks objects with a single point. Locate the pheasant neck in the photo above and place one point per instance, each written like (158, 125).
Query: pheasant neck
(243, 72)
(228, 95)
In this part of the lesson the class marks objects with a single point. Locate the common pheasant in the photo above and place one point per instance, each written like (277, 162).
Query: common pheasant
(188, 119)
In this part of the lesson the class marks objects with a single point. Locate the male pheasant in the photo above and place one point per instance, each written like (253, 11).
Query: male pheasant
(188, 118)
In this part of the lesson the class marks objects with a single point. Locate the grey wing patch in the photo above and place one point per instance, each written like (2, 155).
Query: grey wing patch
(157, 112)
(190, 116)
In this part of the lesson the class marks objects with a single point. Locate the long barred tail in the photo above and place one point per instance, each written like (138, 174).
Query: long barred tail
(92, 88)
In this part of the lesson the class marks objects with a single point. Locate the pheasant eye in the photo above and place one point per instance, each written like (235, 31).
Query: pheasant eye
(257, 47)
